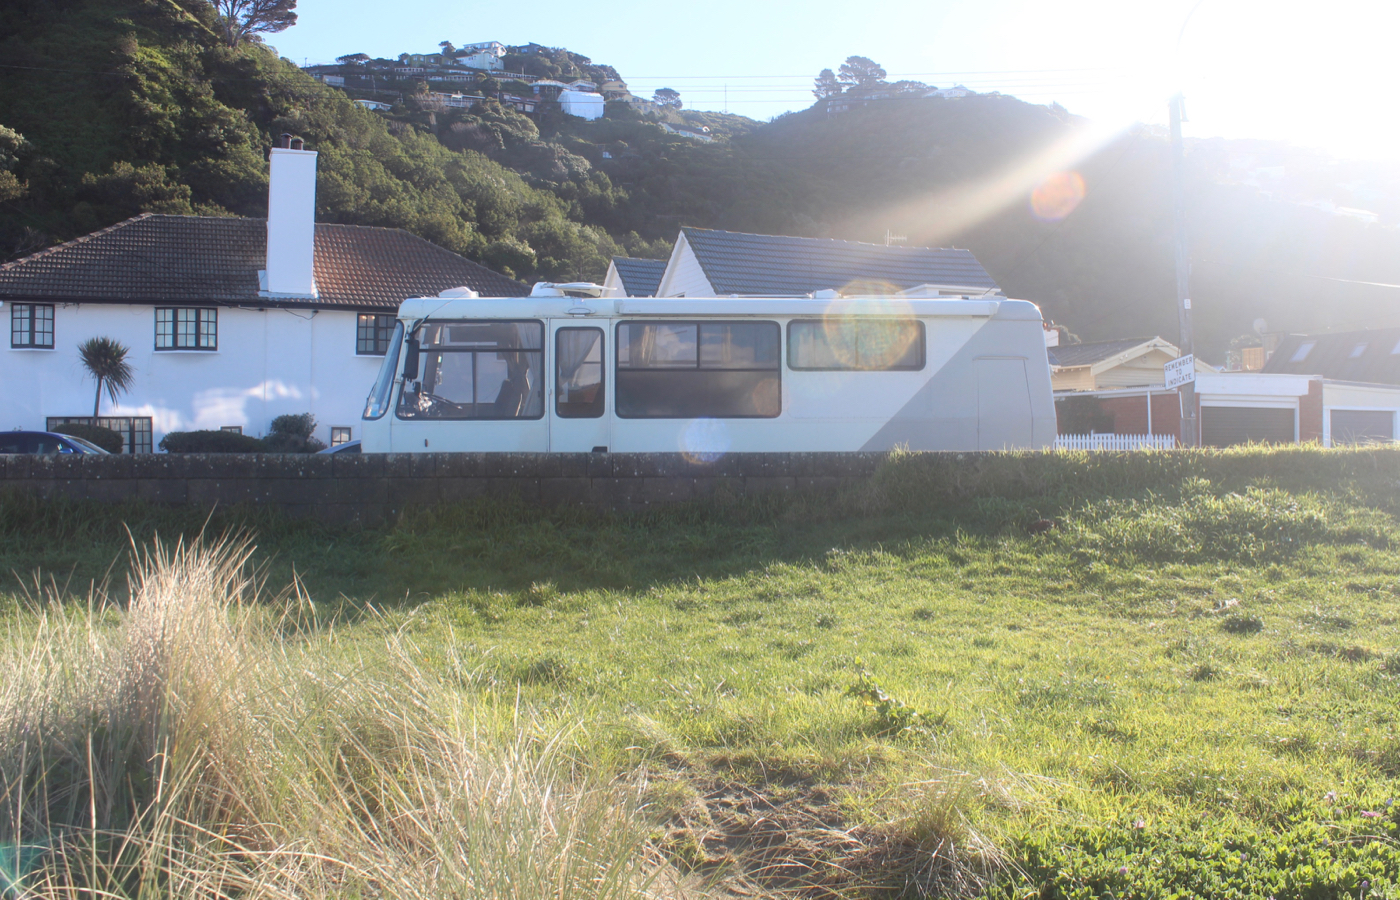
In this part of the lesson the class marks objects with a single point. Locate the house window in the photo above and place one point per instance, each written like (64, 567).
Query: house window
(484, 369)
(1302, 352)
(339, 436)
(861, 344)
(1357, 351)
(692, 370)
(372, 334)
(135, 430)
(187, 329)
(31, 325)
(232, 429)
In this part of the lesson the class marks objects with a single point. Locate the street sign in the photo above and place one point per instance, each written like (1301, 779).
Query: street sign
(1181, 370)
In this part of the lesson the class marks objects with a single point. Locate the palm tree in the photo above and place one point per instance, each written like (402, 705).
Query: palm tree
(105, 360)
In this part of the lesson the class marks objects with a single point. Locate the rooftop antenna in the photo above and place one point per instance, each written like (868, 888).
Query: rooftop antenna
(891, 238)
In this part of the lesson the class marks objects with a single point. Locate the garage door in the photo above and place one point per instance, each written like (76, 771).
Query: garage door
(1362, 426)
(1222, 426)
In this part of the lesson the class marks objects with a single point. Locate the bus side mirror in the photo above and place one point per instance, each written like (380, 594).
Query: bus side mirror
(410, 361)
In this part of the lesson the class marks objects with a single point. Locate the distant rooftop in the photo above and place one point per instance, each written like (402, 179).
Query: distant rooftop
(1071, 355)
(783, 266)
(1369, 356)
(640, 277)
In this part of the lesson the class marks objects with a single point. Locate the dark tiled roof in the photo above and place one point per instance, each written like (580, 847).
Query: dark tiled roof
(204, 259)
(1331, 356)
(777, 265)
(1088, 354)
(640, 277)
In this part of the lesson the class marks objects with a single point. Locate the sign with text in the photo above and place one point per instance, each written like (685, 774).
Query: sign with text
(1181, 370)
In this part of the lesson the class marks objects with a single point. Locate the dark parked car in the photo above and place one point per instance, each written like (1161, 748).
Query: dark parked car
(45, 442)
(347, 447)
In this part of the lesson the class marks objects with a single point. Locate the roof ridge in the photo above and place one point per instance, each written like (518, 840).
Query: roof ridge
(83, 239)
(800, 237)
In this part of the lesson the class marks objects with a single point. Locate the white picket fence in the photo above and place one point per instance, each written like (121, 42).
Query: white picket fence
(1115, 442)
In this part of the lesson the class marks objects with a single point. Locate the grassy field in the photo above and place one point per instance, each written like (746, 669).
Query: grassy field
(1186, 686)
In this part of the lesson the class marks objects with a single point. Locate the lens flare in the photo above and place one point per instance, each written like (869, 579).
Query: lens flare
(1057, 196)
(704, 441)
(867, 343)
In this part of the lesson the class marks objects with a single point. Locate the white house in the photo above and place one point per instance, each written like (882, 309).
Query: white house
(494, 48)
(630, 277)
(582, 104)
(377, 105)
(229, 322)
(488, 62)
(710, 263)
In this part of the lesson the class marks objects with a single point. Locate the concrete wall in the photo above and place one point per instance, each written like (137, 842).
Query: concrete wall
(372, 488)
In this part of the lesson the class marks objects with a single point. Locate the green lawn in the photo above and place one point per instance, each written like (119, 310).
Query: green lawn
(1188, 685)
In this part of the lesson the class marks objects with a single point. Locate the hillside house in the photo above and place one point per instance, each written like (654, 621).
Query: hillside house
(582, 104)
(229, 322)
(494, 48)
(486, 62)
(711, 263)
(377, 105)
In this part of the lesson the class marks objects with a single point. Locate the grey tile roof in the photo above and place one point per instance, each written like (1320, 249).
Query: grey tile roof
(205, 259)
(640, 277)
(777, 265)
(1377, 362)
(1087, 354)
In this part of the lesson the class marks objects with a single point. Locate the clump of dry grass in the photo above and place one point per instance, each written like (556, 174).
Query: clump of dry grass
(189, 745)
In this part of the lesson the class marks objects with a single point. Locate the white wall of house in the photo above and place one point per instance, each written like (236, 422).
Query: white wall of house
(268, 362)
(581, 104)
(684, 277)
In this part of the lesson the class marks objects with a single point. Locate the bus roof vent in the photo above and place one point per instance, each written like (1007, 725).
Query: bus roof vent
(571, 289)
(459, 293)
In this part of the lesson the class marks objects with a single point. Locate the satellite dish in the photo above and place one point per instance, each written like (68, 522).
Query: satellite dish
(1260, 326)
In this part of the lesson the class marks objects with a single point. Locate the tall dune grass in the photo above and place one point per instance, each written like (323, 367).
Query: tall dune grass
(192, 744)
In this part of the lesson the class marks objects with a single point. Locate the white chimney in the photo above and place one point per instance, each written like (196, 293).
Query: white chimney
(291, 220)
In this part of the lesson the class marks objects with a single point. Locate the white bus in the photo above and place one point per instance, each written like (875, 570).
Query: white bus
(709, 376)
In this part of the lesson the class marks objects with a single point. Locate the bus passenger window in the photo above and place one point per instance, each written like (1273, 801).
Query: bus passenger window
(482, 369)
(578, 366)
(694, 370)
(860, 344)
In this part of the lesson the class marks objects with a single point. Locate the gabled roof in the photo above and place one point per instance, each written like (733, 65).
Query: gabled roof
(778, 265)
(1331, 356)
(1070, 356)
(640, 277)
(205, 259)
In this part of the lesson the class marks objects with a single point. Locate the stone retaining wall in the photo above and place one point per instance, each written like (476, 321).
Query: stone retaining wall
(373, 488)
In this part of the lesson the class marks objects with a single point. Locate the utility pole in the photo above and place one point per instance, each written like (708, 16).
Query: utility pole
(1190, 427)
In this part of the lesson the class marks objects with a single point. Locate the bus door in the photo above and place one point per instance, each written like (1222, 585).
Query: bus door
(580, 419)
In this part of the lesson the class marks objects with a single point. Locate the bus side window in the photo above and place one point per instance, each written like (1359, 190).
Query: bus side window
(578, 368)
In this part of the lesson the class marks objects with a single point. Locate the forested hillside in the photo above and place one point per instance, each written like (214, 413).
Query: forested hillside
(113, 107)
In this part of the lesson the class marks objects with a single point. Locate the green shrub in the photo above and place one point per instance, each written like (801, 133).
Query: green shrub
(105, 438)
(292, 433)
(210, 442)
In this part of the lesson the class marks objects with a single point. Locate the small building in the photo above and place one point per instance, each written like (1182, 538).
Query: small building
(629, 277)
(332, 80)
(377, 105)
(712, 263)
(494, 48)
(1125, 363)
(455, 101)
(582, 104)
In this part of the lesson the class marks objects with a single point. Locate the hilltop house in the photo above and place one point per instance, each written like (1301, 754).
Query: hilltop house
(229, 322)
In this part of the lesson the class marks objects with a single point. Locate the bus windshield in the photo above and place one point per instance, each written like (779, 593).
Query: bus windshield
(377, 404)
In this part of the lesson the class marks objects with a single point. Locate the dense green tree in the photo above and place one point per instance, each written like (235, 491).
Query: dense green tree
(861, 72)
(667, 97)
(240, 20)
(826, 85)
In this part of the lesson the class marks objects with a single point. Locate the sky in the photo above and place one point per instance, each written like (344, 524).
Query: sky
(1320, 74)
